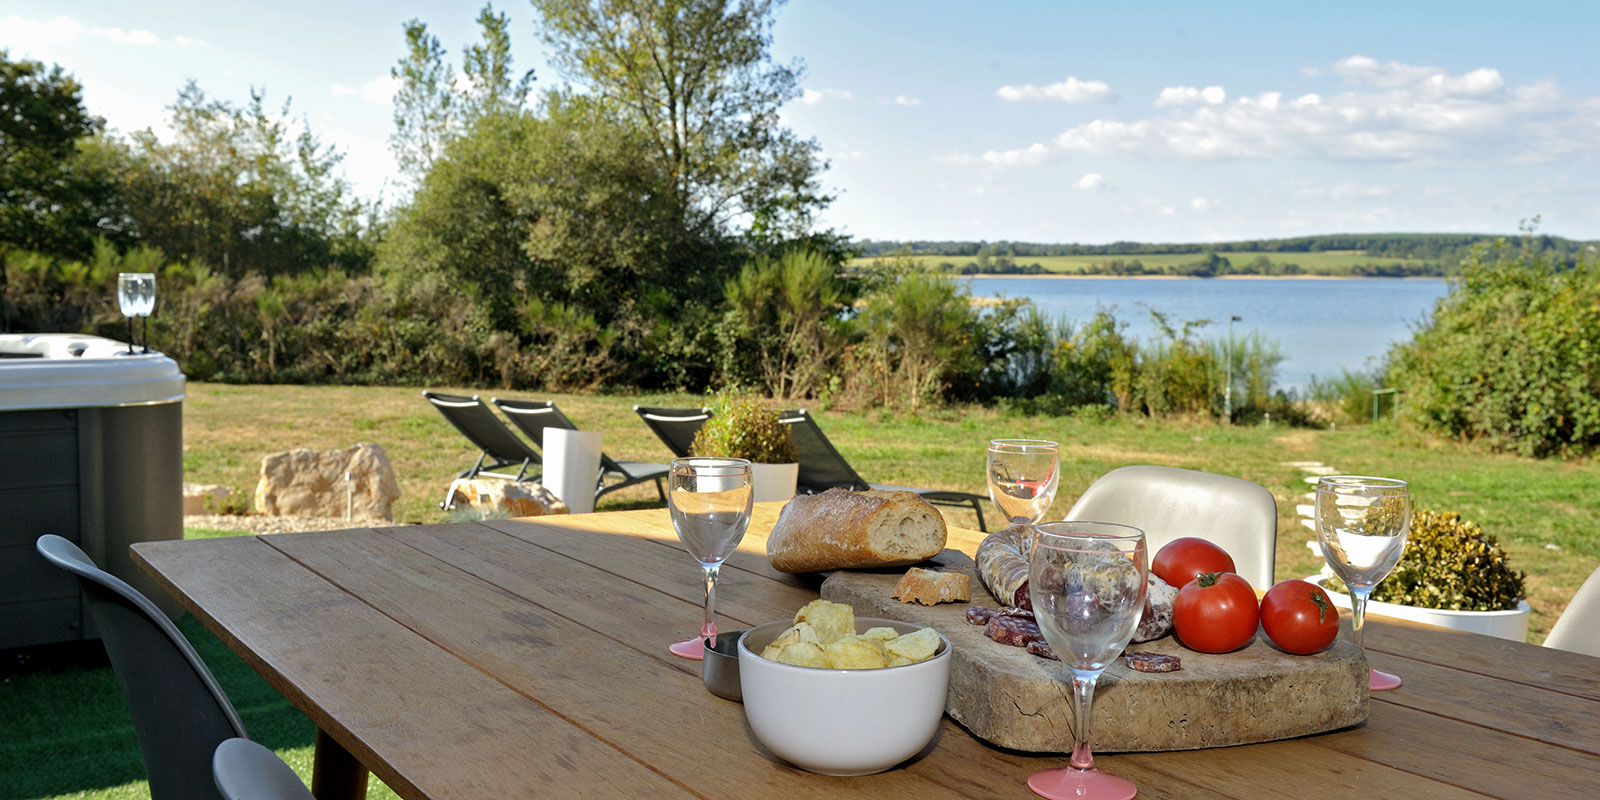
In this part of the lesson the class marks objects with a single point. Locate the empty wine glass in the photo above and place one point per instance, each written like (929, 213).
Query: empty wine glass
(1089, 581)
(1362, 525)
(1023, 474)
(710, 503)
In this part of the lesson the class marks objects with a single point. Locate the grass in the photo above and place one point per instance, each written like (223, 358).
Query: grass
(64, 732)
(1331, 262)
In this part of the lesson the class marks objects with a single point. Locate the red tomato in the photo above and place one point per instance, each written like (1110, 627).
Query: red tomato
(1298, 617)
(1182, 560)
(1216, 613)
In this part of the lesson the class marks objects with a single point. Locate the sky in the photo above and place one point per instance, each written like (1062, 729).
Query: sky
(1025, 121)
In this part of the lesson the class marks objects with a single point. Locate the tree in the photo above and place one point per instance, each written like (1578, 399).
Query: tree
(696, 76)
(55, 194)
(243, 189)
(432, 106)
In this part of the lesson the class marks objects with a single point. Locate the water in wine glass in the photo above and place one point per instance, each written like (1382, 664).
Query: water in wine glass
(1362, 524)
(710, 502)
(1022, 476)
(1088, 581)
(128, 293)
(145, 293)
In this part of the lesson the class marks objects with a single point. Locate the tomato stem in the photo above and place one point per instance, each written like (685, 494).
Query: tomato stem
(1323, 607)
(1208, 578)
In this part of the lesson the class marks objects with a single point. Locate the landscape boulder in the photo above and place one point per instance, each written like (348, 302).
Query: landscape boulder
(510, 498)
(313, 483)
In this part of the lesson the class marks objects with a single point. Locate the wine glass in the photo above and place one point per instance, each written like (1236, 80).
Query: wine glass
(128, 300)
(1362, 525)
(1089, 581)
(710, 503)
(1023, 474)
(145, 291)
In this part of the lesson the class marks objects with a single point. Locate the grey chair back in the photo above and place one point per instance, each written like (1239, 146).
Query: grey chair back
(244, 770)
(1578, 628)
(180, 713)
(533, 416)
(501, 448)
(821, 465)
(1168, 503)
(675, 427)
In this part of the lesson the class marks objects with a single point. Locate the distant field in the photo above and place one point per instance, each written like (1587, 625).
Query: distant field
(1324, 261)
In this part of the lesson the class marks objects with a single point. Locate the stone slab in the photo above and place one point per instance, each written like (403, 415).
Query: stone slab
(1012, 699)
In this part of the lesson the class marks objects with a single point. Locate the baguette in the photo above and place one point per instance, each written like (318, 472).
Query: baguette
(841, 529)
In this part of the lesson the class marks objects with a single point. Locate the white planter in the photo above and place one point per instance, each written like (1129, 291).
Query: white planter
(572, 466)
(1511, 625)
(774, 482)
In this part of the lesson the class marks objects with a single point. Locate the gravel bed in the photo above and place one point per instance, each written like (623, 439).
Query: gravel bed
(261, 523)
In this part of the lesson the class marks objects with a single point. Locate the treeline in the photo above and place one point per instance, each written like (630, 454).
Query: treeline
(1438, 253)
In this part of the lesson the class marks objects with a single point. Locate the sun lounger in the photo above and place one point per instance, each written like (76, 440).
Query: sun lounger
(822, 468)
(501, 448)
(533, 416)
(675, 427)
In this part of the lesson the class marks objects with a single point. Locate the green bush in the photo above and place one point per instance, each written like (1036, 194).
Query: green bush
(741, 427)
(1450, 564)
(1511, 356)
(1346, 397)
(783, 329)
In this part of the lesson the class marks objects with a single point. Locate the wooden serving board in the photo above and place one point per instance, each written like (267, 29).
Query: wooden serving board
(1013, 699)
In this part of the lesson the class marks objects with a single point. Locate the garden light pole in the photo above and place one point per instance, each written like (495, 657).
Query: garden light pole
(1227, 392)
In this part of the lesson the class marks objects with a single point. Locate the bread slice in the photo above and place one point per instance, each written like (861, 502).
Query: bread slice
(841, 529)
(931, 588)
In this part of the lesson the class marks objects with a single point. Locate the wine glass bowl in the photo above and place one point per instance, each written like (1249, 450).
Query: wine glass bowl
(136, 297)
(710, 501)
(1023, 475)
(1362, 524)
(1088, 582)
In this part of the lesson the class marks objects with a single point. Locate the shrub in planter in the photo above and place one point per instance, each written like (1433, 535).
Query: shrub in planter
(1449, 564)
(741, 427)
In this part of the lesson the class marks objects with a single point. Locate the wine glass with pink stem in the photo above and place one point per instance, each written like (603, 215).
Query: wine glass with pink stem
(710, 501)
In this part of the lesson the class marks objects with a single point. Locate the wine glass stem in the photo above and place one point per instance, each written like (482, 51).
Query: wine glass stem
(146, 336)
(708, 628)
(1358, 614)
(1082, 706)
(130, 334)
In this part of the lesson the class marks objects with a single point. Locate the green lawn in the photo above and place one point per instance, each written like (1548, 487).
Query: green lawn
(64, 733)
(1334, 262)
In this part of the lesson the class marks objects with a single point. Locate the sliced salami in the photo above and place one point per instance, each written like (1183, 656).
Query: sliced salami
(1003, 565)
(1014, 631)
(1152, 662)
(978, 615)
(1156, 621)
(1042, 649)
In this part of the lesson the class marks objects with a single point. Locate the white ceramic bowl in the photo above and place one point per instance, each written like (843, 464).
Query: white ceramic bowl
(842, 721)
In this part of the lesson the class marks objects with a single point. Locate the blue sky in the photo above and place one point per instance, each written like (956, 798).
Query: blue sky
(1009, 120)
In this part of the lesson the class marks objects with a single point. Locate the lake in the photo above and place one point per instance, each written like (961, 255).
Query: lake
(1322, 326)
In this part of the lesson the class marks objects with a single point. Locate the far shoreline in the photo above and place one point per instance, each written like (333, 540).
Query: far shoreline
(1082, 276)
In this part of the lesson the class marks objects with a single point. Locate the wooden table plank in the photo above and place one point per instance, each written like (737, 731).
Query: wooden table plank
(409, 711)
(1464, 754)
(1519, 662)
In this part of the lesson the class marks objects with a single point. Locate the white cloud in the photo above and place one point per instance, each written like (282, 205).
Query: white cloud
(141, 38)
(1200, 204)
(1395, 75)
(812, 97)
(1092, 181)
(902, 100)
(35, 37)
(1190, 96)
(379, 90)
(1035, 153)
(185, 41)
(1070, 90)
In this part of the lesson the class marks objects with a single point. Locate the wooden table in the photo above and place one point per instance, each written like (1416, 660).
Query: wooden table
(510, 659)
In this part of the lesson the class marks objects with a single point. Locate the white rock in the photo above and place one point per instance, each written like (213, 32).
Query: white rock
(312, 483)
(512, 498)
(196, 497)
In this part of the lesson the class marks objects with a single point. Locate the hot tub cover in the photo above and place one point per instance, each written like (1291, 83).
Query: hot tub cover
(69, 370)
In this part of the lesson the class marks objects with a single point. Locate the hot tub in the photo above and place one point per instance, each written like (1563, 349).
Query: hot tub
(91, 448)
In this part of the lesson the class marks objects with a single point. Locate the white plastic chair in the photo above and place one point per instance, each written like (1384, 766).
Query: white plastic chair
(245, 770)
(1168, 503)
(1578, 628)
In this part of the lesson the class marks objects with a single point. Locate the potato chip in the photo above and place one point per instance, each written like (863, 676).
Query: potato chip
(803, 654)
(854, 652)
(799, 632)
(917, 646)
(880, 633)
(831, 620)
(899, 661)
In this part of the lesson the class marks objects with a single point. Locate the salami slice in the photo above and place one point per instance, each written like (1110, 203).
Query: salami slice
(1042, 649)
(1152, 662)
(1156, 621)
(1014, 631)
(978, 615)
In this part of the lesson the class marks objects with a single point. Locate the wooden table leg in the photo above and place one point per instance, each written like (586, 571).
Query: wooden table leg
(335, 774)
